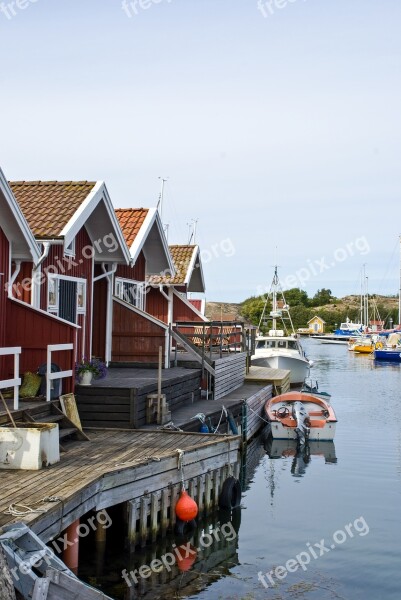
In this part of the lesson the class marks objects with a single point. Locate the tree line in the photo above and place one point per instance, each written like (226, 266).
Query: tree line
(323, 304)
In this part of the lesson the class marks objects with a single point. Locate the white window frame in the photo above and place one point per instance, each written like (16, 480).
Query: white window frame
(139, 295)
(54, 309)
(70, 249)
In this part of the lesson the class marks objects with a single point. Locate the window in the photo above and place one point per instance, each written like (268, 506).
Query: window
(81, 296)
(70, 249)
(52, 294)
(131, 291)
(66, 297)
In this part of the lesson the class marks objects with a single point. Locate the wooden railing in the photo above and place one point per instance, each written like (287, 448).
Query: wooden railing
(58, 374)
(16, 381)
(212, 337)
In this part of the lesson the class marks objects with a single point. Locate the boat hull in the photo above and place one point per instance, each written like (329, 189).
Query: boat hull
(388, 355)
(279, 432)
(298, 367)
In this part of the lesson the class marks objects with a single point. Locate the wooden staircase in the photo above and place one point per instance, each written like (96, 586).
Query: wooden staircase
(51, 413)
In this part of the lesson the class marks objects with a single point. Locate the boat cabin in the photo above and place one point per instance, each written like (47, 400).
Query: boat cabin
(284, 343)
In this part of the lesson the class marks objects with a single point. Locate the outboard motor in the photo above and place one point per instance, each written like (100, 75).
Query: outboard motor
(303, 423)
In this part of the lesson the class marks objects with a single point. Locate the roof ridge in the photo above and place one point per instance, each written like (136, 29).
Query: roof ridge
(51, 182)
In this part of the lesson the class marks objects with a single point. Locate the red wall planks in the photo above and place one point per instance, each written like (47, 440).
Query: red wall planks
(137, 272)
(34, 331)
(135, 338)
(156, 304)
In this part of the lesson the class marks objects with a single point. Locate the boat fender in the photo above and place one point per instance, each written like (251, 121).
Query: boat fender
(184, 528)
(204, 428)
(230, 495)
(231, 516)
(378, 345)
(233, 425)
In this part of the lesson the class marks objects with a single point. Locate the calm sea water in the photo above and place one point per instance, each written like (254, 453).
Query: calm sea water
(291, 504)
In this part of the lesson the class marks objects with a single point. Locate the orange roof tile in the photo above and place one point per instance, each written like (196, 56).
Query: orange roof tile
(131, 221)
(49, 205)
(182, 256)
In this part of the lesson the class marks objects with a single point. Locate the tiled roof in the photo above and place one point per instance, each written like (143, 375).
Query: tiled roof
(182, 256)
(131, 221)
(49, 205)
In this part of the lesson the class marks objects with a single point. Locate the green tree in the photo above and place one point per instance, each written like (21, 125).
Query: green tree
(296, 297)
(322, 297)
(251, 309)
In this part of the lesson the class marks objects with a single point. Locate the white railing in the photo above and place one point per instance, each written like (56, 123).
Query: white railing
(16, 382)
(60, 374)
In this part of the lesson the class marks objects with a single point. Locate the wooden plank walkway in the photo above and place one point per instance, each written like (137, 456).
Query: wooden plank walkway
(279, 378)
(255, 395)
(115, 466)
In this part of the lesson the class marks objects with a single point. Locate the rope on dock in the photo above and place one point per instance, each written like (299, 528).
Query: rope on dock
(181, 465)
(20, 510)
(170, 427)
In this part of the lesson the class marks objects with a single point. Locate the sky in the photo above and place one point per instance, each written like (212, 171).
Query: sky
(276, 124)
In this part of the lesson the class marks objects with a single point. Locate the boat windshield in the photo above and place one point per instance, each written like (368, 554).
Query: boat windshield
(265, 344)
(292, 345)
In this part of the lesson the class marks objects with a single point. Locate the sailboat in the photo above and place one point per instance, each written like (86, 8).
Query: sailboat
(280, 348)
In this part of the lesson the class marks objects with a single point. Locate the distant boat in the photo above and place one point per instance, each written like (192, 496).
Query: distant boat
(348, 328)
(301, 416)
(311, 387)
(389, 351)
(280, 348)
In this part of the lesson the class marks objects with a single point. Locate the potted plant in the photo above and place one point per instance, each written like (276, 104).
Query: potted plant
(87, 369)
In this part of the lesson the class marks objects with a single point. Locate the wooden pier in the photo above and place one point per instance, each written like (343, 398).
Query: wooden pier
(247, 400)
(278, 378)
(120, 466)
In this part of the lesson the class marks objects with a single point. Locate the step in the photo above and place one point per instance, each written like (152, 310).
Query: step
(50, 419)
(65, 432)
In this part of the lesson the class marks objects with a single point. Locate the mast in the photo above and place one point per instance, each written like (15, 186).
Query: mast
(399, 292)
(274, 310)
(161, 197)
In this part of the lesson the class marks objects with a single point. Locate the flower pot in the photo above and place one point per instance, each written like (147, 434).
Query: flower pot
(85, 378)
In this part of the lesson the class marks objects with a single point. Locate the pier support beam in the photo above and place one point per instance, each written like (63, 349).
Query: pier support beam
(71, 552)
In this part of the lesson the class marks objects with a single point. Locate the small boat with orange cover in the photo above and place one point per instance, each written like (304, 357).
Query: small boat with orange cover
(301, 416)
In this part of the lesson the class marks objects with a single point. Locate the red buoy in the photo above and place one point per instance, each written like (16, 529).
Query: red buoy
(185, 562)
(186, 508)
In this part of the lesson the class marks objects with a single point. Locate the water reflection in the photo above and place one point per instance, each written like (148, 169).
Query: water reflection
(301, 453)
(186, 565)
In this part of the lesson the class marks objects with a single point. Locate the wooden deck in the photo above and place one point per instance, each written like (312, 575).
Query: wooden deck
(114, 467)
(255, 396)
(279, 378)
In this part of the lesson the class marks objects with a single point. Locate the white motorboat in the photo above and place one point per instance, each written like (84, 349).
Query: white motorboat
(301, 416)
(280, 348)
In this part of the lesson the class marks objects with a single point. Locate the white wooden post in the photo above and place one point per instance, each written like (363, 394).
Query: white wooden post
(16, 382)
(60, 374)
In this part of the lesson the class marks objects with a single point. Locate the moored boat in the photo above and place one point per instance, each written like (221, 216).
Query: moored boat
(301, 416)
(280, 348)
